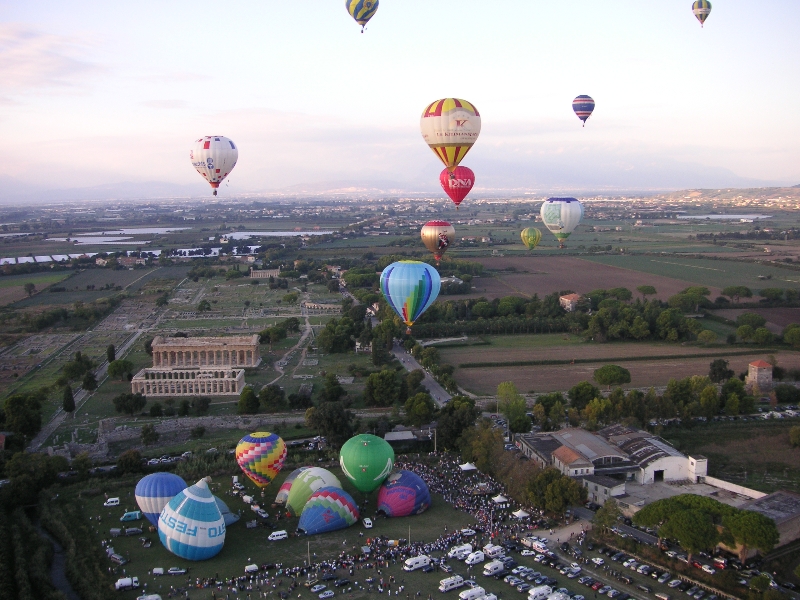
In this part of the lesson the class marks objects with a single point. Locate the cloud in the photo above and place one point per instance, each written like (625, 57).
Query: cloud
(31, 59)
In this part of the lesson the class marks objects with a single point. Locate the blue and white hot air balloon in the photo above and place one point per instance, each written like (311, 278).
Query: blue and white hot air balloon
(154, 491)
(191, 525)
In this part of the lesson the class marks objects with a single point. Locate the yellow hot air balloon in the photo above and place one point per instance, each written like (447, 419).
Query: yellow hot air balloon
(437, 237)
(450, 127)
(531, 237)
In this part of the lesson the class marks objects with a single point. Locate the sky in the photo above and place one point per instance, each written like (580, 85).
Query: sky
(110, 95)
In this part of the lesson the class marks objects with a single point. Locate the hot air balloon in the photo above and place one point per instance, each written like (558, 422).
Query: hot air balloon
(214, 157)
(403, 494)
(283, 493)
(531, 237)
(366, 461)
(308, 482)
(154, 491)
(457, 184)
(191, 525)
(261, 456)
(450, 126)
(561, 216)
(701, 10)
(583, 106)
(227, 516)
(410, 287)
(437, 237)
(361, 10)
(328, 509)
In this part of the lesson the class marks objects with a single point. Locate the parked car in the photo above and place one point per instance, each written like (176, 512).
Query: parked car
(176, 571)
(318, 588)
(326, 595)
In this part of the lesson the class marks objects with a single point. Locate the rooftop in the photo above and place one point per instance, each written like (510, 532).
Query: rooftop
(234, 340)
(761, 364)
(588, 444)
(639, 495)
(606, 482)
(568, 456)
(778, 506)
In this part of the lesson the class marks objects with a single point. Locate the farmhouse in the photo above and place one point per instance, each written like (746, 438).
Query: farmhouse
(759, 375)
(569, 302)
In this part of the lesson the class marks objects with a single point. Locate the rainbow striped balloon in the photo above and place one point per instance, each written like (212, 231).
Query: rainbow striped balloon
(361, 10)
(410, 287)
(328, 509)
(260, 455)
(583, 106)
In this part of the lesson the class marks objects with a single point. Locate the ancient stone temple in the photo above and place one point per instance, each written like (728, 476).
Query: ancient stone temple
(188, 382)
(182, 353)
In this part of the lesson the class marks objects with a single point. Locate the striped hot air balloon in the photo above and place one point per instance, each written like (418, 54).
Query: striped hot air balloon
(450, 127)
(260, 455)
(410, 287)
(328, 509)
(403, 494)
(583, 106)
(286, 486)
(308, 482)
(531, 237)
(701, 10)
(191, 526)
(361, 10)
(154, 491)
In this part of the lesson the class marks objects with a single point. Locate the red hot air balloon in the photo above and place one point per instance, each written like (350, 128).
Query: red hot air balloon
(457, 184)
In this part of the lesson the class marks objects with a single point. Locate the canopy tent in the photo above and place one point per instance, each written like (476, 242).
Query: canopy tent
(468, 467)
(499, 499)
(521, 514)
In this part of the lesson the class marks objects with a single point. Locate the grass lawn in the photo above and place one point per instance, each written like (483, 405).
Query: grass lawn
(12, 287)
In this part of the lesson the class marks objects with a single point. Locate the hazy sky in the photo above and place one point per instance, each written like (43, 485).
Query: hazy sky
(102, 92)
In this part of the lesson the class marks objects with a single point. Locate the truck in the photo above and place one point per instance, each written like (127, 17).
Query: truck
(416, 562)
(473, 593)
(492, 551)
(475, 557)
(451, 583)
(492, 568)
(132, 515)
(539, 592)
(127, 583)
(460, 552)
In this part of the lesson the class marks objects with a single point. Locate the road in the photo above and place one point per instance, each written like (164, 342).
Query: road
(587, 515)
(439, 394)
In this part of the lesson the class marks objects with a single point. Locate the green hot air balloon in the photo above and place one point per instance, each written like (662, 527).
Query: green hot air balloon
(366, 461)
(531, 237)
(308, 482)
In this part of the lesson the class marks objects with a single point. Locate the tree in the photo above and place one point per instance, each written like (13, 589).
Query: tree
(203, 306)
(706, 337)
(694, 530)
(156, 410)
(248, 402)
(646, 290)
(732, 404)
(607, 515)
(22, 413)
(762, 336)
(332, 390)
(331, 420)
(719, 371)
(513, 407)
(794, 436)
(200, 405)
(455, 417)
(273, 398)
(89, 383)
(709, 402)
(752, 530)
(752, 319)
(130, 461)
(149, 434)
(197, 432)
(129, 403)
(609, 375)
(791, 335)
(148, 346)
(563, 493)
(162, 300)
(420, 409)
(30, 288)
(734, 292)
(68, 400)
(82, 464)
(382, 389)
(119, 368)
(482, 445)
(745, 332)
(111, 353)
(581, 394)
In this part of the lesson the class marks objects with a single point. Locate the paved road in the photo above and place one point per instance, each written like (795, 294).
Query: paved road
(588, 515)
(440, 395)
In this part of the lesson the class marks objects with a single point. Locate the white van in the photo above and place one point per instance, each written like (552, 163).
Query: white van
(157, 571)
(493, 567)
(278, 535)
(416, 562)
(111, 502)
(451, 583)
(473, 593)
(127, 583)
(460, 552)
(492, 551)
(540, 592)
(474, 558)
(251, 569)
(539, 547)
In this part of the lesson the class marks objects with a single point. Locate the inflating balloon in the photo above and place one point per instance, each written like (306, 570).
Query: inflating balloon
(306, 484)
(561, 216)
(361, 10)
(410, 287)
(191, 525)
(214, 157)
(366, 460)
(457, 184)
(260, 455)
(283, 493)
(227, 516)
(437, 237)
(701, 10)
(328, 509)
(403, 494)
(154, 491)
(450, 127)
(531, 237)
(583, 106)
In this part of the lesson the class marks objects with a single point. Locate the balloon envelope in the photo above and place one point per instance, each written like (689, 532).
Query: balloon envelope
(457, 184)
(531, 237)
(403, 494)
(283, 492)
(154, 491)
(328, 509)
(361, 10)
(227, 516)
(260, 455)
(308, 482)
(191, 525)
(437, 237)
(561, 216)
(214, 157)
(450, 127)
(366, 461)
(701, 10)
(583, 106)
(410, 287)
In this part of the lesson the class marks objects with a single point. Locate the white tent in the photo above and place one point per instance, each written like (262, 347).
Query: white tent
(521, 514)
(468, 467)
(499, 499)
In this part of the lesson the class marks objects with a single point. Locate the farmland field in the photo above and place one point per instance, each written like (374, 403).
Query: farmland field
(12, 287)
(778, 318)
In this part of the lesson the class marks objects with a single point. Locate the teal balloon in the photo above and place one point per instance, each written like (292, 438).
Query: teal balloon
(410, 287)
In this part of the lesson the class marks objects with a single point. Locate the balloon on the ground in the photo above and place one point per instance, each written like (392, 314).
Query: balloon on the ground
(561, 216)
(328, 509)
(437, 237)
(361, 10)
(450, 127)
(701, 10)
(403, 494)
(583, 106)
(308, 482)
(366, 461)
(283, 492)
(214, 157)
(154, 491)
(227, 516)
(457, 184)
(531, 237)
(410, 287)
(260, 455)
(191, 525)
